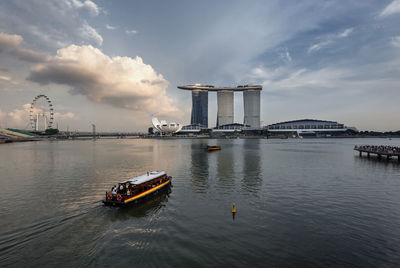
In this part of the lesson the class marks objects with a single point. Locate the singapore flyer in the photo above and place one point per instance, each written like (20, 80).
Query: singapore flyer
(41, 110)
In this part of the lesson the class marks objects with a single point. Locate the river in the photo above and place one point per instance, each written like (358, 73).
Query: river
(300, 203)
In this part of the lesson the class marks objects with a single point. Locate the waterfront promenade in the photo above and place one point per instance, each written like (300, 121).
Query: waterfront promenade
(379, 150)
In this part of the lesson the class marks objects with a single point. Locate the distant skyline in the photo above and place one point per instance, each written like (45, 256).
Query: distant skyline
(114, 64)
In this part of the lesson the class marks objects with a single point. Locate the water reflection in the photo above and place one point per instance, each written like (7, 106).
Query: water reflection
(148, 207)
(199, 167)
(252, 179)
(374, 161)
(225, 168)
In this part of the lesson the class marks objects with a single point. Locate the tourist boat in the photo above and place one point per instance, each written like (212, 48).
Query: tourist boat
(213, 148)
(138, 188)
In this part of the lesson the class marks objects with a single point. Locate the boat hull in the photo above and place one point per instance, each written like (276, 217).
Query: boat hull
(140, 197)
(213, 148)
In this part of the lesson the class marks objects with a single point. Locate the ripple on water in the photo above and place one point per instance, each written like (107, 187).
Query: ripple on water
(300, 203)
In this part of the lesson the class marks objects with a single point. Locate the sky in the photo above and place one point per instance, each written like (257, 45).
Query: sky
(115, 63)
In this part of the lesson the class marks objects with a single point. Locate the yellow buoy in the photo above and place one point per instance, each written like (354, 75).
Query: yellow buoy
(234, 208)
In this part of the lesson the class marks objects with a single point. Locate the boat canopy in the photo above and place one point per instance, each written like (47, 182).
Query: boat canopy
(144, 178)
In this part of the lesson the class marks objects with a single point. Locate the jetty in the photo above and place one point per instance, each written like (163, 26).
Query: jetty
(379, 150)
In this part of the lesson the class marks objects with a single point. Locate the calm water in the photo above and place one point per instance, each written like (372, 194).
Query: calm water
(301, 203)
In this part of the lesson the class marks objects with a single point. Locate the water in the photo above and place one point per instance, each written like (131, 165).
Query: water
(301, 203)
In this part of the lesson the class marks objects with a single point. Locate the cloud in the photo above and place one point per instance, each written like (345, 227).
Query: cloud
(131, 32)
(20, 117)
(9, 41)
(286, 55)
(2, 114)
(89, 33)
(88, 5)
(118, 81)
(49, 25)
(396, 41)
(60, 116)
(340, 82)
(30, 55)
(5, 78)
(329, 40)
(13, 42)
(346, 33)
(318, 46)
(3, 120)
(109, 27)
(392, 8)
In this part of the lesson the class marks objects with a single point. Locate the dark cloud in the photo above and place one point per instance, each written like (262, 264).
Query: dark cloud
(11, 43)
(29, 55)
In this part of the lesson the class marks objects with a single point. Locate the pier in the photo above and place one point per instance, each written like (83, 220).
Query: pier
(379, 150)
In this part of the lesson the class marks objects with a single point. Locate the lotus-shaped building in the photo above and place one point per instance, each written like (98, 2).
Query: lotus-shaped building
(164, 127)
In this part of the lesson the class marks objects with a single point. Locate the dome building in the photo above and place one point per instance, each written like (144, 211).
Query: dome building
(308, 126)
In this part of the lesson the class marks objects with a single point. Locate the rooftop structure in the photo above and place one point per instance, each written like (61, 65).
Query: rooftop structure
(230, 127)
(225, 99)
(192, 128)
(307, 125)
(11, 133)
(144, 178)
(213, 88)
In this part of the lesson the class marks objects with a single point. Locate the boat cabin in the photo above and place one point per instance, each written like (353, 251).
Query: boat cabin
(137, 187)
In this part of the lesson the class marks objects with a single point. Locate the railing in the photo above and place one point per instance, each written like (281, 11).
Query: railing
(384, 149)
(379, 150)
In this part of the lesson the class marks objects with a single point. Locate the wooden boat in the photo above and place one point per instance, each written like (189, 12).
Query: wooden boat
(137, 189)
(213, 148)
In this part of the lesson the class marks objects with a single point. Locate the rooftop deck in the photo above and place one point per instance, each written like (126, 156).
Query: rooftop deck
(212, 88)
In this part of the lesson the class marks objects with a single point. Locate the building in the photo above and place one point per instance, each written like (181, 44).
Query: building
(225, 107)
(251, 101)
(164, 127)
(199, 107)
(308, 126)
(193, 128)
(234, 127)
(225, 99)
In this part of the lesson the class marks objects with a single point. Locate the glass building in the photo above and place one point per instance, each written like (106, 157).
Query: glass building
(199, 108)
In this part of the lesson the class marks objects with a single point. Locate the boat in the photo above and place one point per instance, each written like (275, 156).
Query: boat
(213, 148)
(137, 189)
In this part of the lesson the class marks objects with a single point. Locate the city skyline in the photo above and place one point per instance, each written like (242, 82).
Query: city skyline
(225, 102)
(114, 65)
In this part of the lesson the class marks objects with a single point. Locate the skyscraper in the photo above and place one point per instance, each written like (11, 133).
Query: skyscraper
(251, 102)
(225, 97)
(199, 107)
(225, 107)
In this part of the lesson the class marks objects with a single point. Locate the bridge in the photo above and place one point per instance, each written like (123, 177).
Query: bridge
(77, 135)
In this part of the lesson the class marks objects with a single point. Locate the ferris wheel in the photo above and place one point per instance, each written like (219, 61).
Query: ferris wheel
(46, 112)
